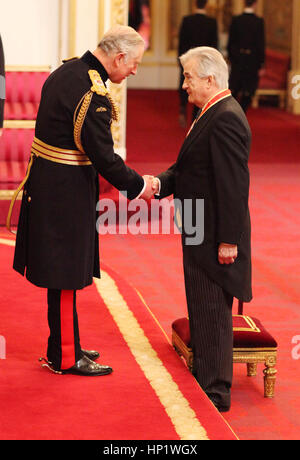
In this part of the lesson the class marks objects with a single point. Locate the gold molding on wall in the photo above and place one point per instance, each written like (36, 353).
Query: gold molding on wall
(8, 194)
(19, 124)
(72, 27)
(101, 21)
(27, 68)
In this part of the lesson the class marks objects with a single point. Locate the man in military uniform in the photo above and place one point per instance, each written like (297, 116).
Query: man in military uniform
(196, 29)
(57, 243)
(246, 52)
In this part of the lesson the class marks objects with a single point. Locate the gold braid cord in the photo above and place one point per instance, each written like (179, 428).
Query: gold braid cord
(78, 121)
(97, 87)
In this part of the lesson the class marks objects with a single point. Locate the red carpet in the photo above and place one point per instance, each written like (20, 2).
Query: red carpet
(150, 395)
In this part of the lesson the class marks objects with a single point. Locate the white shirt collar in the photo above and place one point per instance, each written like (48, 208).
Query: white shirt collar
(248, 10)
(200, 11)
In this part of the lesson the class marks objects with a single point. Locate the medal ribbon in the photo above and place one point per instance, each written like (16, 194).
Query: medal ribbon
(212, 101)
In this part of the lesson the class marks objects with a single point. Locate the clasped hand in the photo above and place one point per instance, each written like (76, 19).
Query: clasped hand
(152, 186)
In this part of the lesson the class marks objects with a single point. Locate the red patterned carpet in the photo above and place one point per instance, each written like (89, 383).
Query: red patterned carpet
(149, 396)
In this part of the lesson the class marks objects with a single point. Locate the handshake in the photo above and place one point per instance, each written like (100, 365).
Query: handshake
(152, 186)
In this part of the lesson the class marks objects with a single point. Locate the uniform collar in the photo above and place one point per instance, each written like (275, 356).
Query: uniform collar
(95, 64)
(249, 10)
(200, 11)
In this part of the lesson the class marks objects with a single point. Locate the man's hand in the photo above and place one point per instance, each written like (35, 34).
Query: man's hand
(148, 192)
(155, 185)
(227, 253)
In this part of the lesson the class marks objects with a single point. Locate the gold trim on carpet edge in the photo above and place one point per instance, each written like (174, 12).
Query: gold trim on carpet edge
(176, 406)
(153, 316)
(166, 335)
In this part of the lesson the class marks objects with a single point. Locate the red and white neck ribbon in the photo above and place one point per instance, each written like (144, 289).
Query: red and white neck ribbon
(210, 103)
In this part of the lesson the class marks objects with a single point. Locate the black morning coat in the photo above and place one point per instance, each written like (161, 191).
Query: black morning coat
(213, 166)
(57, 242)
(247, 32)
(197, 30)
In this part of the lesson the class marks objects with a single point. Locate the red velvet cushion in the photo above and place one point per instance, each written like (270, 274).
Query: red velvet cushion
(276, 69)
(12, 173)
(24, 86)
(15, 144)
(248, 332)
(20, 110)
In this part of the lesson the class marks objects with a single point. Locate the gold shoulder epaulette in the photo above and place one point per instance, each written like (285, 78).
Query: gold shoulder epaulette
(98, 85)
(70, 59)
(100, 88)
(81, 110)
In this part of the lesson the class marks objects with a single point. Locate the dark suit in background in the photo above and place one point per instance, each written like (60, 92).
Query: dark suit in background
(246, 52)
(195, 30)
(2, 84)
(213, 166)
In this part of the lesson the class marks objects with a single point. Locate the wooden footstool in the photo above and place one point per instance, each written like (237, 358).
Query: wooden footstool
(252, 344)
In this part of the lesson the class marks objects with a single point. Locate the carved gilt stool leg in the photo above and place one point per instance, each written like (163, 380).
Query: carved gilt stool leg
(251, 369)
(270, 376)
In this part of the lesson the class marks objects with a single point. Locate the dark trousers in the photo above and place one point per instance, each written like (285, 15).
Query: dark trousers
(243, 83)
(64, 348)
(210, 317)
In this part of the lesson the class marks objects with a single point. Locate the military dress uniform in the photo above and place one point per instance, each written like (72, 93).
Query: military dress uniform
(57, 243)
(246, 52)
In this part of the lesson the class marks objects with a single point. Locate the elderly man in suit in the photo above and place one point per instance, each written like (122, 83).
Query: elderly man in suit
(246, 52)
(213, 166)
(196, 29)
(57, 245)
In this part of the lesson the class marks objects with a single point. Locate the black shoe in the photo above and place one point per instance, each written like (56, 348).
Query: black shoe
(84, 366)
(91, 354)
(221, 408)
(87, 367)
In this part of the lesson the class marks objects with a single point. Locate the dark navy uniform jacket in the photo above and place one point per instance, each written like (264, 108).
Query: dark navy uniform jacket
(57, 242)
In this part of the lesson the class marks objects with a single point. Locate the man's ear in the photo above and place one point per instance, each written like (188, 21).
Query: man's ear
(119, 59)
(210, 81)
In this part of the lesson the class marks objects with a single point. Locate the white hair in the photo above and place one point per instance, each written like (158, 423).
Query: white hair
(121, 39)
(209, 62)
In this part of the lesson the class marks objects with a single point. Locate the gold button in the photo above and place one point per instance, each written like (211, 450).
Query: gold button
(29, 199)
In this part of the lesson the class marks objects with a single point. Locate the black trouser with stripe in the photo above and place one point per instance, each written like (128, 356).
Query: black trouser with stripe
(64, 348)
(210, 317)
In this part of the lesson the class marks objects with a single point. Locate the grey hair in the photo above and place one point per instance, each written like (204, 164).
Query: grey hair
(209, 62)
(121, 39)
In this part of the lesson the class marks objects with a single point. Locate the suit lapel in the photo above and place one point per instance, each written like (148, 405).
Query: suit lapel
(198, 129)
(195, 132)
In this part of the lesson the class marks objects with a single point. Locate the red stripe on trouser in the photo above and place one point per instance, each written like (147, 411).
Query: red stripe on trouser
(67, 329)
